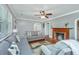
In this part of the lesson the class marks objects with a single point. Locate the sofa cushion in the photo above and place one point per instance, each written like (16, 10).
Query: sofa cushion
(4, 45)
(53, 49)
(45, 50)
(66, 51)
(30, 34)
(34, 33)
(11, 38)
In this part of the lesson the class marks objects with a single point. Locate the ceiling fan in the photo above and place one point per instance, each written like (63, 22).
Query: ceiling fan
(44, 14)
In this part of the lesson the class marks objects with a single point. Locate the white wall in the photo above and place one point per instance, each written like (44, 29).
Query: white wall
(60, 22)
(25, 25)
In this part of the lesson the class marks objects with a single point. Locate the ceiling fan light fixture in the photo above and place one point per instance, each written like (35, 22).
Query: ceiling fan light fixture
(42, 17)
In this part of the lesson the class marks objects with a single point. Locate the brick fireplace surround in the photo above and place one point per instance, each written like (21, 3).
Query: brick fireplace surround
(59, 30)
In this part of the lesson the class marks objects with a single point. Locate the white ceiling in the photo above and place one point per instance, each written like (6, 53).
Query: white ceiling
(28, 11)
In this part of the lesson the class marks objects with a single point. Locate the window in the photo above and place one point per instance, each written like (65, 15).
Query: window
(37, 27)
(5, 22)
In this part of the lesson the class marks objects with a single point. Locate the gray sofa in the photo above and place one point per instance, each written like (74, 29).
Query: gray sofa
(4, 45)
(63, 47)
(34, 35)
(58, 49)
(22, 45)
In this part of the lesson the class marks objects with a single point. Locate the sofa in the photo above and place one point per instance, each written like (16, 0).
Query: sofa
(63, 47)
(34, 35)
(22, 45)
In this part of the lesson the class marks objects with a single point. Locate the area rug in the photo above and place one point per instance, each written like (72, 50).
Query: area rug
(36, 47)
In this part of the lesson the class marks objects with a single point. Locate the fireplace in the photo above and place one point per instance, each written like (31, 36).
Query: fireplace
(60, 34)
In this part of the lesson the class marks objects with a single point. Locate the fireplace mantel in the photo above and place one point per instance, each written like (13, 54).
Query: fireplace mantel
(60, 30)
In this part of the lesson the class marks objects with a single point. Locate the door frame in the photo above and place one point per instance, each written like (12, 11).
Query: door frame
(76, 38)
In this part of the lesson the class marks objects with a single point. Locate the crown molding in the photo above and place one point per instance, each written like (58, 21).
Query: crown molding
(41, 20)
(13, 15)
(23, 19)
(66, 14)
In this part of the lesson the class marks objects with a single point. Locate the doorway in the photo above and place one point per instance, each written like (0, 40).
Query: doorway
(77, 29)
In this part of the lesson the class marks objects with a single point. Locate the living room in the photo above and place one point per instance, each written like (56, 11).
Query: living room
(35, 26)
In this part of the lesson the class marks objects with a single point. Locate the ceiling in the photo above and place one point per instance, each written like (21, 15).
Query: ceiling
(28, 11)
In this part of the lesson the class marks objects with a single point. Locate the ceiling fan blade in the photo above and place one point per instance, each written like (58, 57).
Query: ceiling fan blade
(46, 16)
(49, 14)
